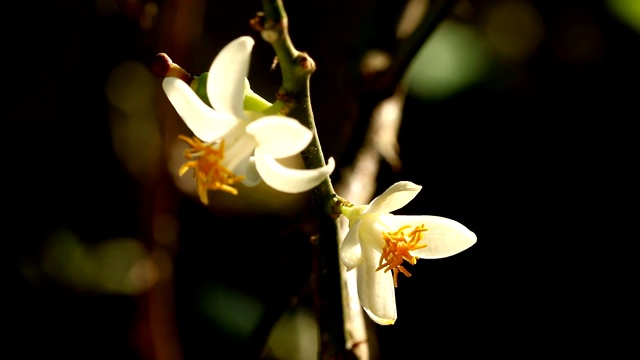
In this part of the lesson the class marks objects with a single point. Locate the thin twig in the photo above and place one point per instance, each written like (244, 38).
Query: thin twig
(296, 68)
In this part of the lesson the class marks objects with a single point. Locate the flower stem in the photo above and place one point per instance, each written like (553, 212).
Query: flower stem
(297, 68)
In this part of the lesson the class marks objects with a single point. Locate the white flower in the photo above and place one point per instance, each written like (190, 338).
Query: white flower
(235, 145)
(378, 241)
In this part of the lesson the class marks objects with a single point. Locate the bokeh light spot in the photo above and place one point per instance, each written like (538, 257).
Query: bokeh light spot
(454, 58)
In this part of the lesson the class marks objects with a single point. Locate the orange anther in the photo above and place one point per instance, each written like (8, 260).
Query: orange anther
(397, 249)
(206, 162)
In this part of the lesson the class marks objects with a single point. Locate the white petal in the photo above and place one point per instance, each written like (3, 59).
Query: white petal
(371, 230)
(350, 251)
(280, 136)
(395, 197)
(238, 148)
(250, 173)
(226, 81)
(444, 237)
(289, 180)
(206, 123)
(375, 289)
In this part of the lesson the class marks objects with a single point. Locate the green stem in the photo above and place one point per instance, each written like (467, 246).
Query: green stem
(297, 68)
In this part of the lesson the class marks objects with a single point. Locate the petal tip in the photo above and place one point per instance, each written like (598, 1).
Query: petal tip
(246, 40)
(169, 83)
(408, 186)
(472, 239)
(379, 320)
(331, 164)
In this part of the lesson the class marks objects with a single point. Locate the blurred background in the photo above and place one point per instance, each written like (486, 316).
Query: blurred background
(112, 256)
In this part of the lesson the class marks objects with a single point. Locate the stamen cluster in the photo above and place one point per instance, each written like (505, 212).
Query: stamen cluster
(397, 249)
(206, 161)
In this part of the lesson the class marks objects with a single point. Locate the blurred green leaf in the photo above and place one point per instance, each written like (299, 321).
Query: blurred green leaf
(627, 12)
(453, 58)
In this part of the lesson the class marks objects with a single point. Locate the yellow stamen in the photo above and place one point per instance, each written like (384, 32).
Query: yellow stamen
(210, 174)
(397, 247)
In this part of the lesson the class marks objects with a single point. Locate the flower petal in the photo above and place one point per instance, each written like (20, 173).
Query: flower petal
(250, 173)
(289, 180)
(350, 251)
(372, 227)
(444, 237)
(280, 136)
(395, 197)
(238, 148)
(226, 82)
(206, 123)
(375, 289)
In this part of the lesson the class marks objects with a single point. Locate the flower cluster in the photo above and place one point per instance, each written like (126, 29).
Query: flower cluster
(235, 141)
(378, 243)
(234, 144)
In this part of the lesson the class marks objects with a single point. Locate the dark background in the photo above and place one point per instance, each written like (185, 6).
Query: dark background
(516, 156)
